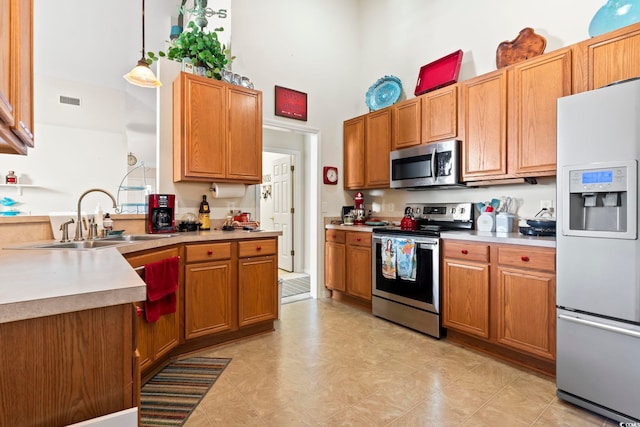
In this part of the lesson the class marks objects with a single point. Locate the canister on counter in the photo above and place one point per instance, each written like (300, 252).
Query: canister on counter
(504, 222)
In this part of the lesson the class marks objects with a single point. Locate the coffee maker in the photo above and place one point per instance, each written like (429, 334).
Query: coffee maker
(160, 213)
(358, 204)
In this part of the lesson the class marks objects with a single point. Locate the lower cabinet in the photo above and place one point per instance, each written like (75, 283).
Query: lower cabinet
(67, 368)
(503, 298)
(348, 263)
(208, 296)
(156, 339)
(257, 281)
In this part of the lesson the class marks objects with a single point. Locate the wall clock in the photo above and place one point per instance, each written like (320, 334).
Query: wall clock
(330, 175)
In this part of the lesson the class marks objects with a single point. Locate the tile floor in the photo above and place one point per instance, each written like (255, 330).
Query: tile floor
(329, 364)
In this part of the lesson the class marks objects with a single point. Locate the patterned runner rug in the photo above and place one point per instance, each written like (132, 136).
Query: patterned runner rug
(295, 286)
(172, 394)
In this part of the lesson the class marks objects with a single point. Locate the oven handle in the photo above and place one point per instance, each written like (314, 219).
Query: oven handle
(424, 244)
(431, 242)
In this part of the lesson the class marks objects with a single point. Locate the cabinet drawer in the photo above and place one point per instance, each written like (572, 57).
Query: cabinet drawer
(359, 239)
(336, 236)
(256, 248)
(467, 251)
(208, 252)
(527, 257)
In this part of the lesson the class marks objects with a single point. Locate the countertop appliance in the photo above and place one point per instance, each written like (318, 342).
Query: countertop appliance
(597, 247)
(426, 166)
(160, 216)
(406, 266)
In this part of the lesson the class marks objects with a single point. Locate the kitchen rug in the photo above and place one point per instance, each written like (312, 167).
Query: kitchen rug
(299, 285)
(170, 396)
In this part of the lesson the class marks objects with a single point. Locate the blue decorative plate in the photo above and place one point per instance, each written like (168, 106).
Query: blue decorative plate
(383, 93)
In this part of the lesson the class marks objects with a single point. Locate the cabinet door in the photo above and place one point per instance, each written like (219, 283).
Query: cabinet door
(257, 289)
(466, 297)
(244, 135)
(353, 135)
(358, 264)
(607, 58)
(483, 116)
(199, 140)
(534, 88)
(406, 124)
(526, 311)
(334, 266)
(377, 147)
(440, 114)
(207, 298)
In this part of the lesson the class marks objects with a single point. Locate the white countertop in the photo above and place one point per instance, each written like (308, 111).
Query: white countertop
(363, 228)
(44, 282)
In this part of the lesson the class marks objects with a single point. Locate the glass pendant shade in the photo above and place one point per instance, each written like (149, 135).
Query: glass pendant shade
(613, 15)
(142, 76)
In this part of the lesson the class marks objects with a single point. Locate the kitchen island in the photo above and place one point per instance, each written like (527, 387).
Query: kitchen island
(68, 337)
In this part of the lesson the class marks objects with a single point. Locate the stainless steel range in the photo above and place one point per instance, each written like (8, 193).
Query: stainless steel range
(406, 266)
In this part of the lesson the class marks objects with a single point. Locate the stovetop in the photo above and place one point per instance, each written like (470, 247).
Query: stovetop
(433, 218)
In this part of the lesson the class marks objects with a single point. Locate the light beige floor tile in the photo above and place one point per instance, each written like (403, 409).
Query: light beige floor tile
(330, 364)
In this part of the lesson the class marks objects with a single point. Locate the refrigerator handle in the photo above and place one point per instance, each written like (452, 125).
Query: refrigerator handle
(609, 328)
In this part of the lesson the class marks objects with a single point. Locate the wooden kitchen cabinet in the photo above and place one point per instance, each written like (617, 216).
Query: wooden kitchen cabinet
(465, 290)
(501, 299)
(607, 58)
(156, 339)
(257, 281)
(67, 368)
(16, 76)
(358, 265)
(508, 118)
(427, 118)
(526, 300)
(348, 258)
(217, 131)
(367, 142)
(335, 260)
(209, 297)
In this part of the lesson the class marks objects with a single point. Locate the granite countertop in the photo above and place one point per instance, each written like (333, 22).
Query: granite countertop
(45, 282)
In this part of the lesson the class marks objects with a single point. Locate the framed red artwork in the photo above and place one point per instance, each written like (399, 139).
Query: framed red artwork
(291, 103)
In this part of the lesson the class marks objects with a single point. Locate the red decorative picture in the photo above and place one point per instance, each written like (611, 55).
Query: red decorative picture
(291, 103)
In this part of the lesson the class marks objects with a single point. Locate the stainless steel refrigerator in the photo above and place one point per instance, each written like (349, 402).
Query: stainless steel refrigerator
(598, 252)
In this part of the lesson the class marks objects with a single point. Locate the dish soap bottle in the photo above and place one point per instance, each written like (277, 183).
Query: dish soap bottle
(205, 223)
(107, 223)
(98, 218)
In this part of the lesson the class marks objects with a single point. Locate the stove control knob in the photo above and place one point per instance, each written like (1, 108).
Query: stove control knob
(461, 210)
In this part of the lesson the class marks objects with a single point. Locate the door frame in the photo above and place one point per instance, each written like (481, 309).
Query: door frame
(316, 234)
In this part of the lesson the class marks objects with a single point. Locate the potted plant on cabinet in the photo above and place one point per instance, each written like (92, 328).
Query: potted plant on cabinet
(201, 47)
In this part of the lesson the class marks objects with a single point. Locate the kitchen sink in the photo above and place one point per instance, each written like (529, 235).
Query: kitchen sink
(137, 237)
(80, 245)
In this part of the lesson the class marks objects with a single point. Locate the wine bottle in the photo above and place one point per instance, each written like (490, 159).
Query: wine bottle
(205, 223)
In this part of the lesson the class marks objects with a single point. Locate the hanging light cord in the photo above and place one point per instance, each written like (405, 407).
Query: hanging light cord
(143, 52)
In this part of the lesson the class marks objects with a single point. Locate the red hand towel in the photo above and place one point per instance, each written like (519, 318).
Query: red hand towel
(162, 282)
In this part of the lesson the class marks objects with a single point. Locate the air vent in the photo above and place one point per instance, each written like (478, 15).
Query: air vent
(69, 100)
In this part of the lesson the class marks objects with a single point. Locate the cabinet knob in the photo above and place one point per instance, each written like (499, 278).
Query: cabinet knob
(209, 252)
(464, 251)
(358, 239)
(258, 248)
(524, 258)
(139, 311)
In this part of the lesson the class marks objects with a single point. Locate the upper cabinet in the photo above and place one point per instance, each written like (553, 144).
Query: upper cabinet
(607, 58)
(367, 142)
(16, 76)
(217, 131)
(427, 118)
(508, 118)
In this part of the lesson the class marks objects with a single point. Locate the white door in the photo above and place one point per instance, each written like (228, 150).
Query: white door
(282, 193)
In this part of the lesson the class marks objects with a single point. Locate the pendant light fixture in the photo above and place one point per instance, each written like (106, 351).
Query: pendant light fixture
(142, 75)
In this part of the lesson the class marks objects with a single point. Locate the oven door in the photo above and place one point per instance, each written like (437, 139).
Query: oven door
(424, 292)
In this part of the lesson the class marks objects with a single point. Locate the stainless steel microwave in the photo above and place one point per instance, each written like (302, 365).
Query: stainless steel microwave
(433, 165)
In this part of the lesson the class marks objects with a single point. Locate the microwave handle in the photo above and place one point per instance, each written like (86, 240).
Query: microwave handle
(434, 171)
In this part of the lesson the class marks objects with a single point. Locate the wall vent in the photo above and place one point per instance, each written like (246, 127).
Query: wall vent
(69, 100)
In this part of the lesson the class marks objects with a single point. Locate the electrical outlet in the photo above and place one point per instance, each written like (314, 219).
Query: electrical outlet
(546, 204)
(391, 207)
(324, 207)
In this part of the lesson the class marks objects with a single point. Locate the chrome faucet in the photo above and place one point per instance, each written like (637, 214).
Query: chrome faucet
(78, 228)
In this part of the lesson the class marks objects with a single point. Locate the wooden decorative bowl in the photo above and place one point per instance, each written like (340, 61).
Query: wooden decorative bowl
(527, 45)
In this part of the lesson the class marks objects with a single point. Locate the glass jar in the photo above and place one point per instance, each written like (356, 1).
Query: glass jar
(11, 178)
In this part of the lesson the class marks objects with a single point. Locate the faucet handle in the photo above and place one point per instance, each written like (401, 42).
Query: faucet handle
(64, 227)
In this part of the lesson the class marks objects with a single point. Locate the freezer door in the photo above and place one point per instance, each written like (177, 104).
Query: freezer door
(597, 361)
(599, 276)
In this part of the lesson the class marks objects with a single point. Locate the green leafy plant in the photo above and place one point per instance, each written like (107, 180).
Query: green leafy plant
(202, 47)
